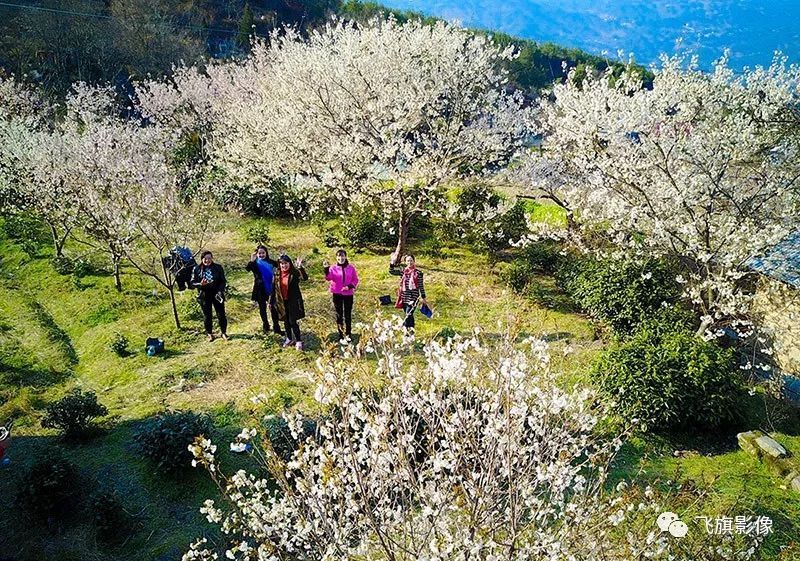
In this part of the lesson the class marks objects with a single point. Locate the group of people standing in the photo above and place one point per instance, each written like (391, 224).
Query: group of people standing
(276, 290)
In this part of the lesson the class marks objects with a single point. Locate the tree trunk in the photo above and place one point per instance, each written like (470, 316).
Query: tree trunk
(708, 298)
(571, 225)
(117, 280)
(705, 324)
(404, 225)
(58, 244)
(174, 306)
(169, 283)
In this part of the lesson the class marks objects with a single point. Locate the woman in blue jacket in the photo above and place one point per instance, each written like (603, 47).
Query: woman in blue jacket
(263, 269)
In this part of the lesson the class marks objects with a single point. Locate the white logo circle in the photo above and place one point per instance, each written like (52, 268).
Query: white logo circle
(3, 433)
(665, 519)
(678, 529)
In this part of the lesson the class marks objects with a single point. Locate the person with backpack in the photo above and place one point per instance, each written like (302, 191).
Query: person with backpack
(411, 290)
(263, 269)
(343, 280)
(209, 280)
(289, 298)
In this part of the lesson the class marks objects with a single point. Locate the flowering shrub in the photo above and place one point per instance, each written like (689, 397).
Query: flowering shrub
(667, 377)
(73, 414)
(472, 452)
(164, 438)
(407, 106)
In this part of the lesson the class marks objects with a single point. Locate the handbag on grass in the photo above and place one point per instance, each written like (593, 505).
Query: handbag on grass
(426, 311)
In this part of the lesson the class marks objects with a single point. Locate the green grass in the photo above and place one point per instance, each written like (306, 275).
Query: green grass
(55, 334)
(728, 481)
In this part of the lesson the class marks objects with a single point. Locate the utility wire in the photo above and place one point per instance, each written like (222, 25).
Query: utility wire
(108, 17)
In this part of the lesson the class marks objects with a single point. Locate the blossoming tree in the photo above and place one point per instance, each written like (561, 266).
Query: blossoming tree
(381, 113)
(109, 161)
(164, 220)
(473, 453)
(34, 161)
(698, 168)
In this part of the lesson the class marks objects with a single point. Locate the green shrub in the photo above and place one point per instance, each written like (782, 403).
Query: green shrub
(73, 414)
(468, 220)
(669, 378)
(165, 439)
(279, 200)
(518, 275)
(446, 333)
(257, 232)
(267, 204)
(62, 265)
(119, 344)
(362, 226)
(110, 519)
(78, 267)
(476, 197)
(48, 490)
(543, 256)
(27, 231)
(534, 258)
(619, 293)
(83, 268)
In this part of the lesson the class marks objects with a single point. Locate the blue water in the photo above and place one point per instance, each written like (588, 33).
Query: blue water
(752, 30)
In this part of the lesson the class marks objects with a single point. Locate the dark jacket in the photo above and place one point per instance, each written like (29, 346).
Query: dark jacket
(215, 286)
(293, 305)
(259, 294)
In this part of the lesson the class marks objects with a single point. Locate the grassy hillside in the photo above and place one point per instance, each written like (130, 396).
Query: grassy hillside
(55, 332)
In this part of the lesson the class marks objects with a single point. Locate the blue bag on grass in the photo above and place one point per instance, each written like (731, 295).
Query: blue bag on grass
(153, 346)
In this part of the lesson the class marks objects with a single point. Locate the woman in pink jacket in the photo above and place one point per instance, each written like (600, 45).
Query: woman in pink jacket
(343, 280)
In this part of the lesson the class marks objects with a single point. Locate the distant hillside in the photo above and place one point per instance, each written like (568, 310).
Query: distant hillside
(537, 66)
(58, 42)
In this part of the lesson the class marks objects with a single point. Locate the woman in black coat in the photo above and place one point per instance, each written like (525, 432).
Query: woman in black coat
(209, 280)
(263, 269)
(289, 299)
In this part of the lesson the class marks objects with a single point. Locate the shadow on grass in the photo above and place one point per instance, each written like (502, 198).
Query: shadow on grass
(21, 376)
(761, 412)
(243, 337)
(168, 353)
(163, 509)
(544, 290)
(55, 334)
